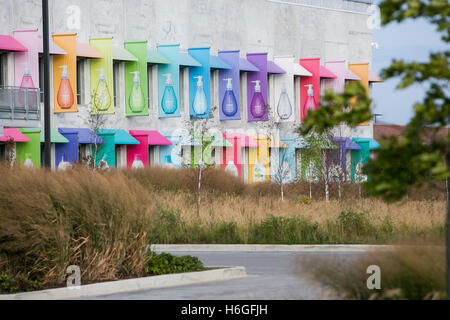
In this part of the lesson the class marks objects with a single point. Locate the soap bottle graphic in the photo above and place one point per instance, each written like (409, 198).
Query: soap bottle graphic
(28, 162)
(169, 100)
(311, 173)
(229, 104)
(310, 103)
(199, 104)
(284, 108)
(257, 106)
(137, 162)
(103, 164)
(27, 80)
(232, 169)
(63, 165)
(286, 171)
(65, 96)
(136, 99)
(259, 172)
(169, 163)
(102, 97)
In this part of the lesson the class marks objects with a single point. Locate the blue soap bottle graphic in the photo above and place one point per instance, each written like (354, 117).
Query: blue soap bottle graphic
(229, 103)
(169, 102)
(199, 104)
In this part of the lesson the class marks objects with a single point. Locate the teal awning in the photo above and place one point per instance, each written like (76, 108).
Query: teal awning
(187, 61)
(55, 136)
(373, 144)
(120, 136)
(217, 63)
(155, 57)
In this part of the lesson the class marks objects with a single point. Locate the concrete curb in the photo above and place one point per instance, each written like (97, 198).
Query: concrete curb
(111, 287)
(267, 247)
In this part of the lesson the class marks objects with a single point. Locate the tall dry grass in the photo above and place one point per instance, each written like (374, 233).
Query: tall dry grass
(103, 221)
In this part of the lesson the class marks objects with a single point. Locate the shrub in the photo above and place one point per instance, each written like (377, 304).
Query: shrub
(11, 285)
(355, 223)
(165, 263)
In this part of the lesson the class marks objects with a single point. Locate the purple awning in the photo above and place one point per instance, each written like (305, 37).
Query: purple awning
(85, 135)
(346, 143)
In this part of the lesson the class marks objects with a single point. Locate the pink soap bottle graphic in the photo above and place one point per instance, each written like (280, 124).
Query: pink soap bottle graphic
(257, 106)
(27, 80)
(310, 103)
(65, 96)
(26, 87)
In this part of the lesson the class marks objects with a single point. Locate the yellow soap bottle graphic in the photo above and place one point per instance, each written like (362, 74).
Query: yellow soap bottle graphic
(102, 97)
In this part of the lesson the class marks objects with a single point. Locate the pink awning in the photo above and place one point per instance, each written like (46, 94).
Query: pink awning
(13, 134)
(325, 73)
(86, 51)
(373, 77)
(246, 141)
(8, 43)
(53, 47)
(154, 137)
(351, 76)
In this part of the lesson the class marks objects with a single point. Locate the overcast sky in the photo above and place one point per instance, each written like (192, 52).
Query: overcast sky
(411, 40)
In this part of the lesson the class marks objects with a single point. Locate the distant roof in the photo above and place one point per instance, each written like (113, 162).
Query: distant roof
(396, 130)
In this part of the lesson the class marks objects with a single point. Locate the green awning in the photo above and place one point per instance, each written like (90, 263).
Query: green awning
(120, 53)
(187, 61)
(155, 57)
(55, 136)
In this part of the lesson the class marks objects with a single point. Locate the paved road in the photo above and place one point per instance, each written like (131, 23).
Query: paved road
(272, 275)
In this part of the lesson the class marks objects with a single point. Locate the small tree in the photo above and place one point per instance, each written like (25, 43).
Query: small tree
(96, 121)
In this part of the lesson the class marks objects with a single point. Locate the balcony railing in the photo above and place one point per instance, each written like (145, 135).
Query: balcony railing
(19, 103)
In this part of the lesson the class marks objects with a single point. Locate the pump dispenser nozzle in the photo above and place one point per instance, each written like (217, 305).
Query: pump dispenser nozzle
(199, 82)
(169, 78)
(101, 76)
(229, 84)
(136, 79)
(310, 90)
(257, 85)
(65, 73)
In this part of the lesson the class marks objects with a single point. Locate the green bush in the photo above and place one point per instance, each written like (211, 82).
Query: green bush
(165, 263)
(355, 223)
(11, 285)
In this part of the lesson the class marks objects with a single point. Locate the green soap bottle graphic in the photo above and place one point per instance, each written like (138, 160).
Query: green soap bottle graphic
(136, 99)
(102, 97)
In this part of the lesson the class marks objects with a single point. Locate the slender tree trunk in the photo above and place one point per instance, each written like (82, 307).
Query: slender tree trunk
(199, 188)
(327, 192)
(310, 190)
(282, 192)
(339, 190)
(359, 189)
(447, 249)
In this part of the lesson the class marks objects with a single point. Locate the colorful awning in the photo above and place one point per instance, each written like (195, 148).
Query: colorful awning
(121, 54)
(85, 135)
(373, 77)
(155, 57)
(245, 65)
(86, 51)
(187, 61)
(8, 43)
(351, 76)
(13, 134)
(273, 68)
(154, 137)
(217, 141)
(246, 141)
(373, 144)
(217, 63)
(120, 136)
(301, 71)
(297, 142)
(275, 142)
(55, 136)
(53, 48)
(346, 143)
(325, 73)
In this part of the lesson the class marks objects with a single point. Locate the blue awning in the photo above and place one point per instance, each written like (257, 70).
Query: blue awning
(120, 136)
(217, 63)
(373, 144)
(187, 61)
(245, 65)
(85, 135)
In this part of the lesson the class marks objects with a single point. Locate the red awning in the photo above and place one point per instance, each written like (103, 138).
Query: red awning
(14, 135)
(154, 137)
(246, 141)
(86, 51)
(325, 73)
(8, 43)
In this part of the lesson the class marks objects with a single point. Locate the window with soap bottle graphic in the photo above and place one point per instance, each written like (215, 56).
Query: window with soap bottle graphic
(258, 105)
(310, 103)
(136, 100)
(200, 104)
(284, 107)
(229, 103)
(65, 96)
(259, 172)
(26, 85)
(102, 97)
(137, 162)
(169, 102)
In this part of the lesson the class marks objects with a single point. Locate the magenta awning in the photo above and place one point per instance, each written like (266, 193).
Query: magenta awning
(14, 135)
(351, 76)
(273, 68)
(53, 47)
(86, 51)
(373, 77)
(246, 141)
(154, 137)
(8, 43)
(325, 73)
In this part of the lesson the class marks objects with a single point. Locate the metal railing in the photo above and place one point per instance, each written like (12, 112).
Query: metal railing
(19, 103)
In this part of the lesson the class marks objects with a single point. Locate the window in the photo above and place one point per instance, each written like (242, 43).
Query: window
(117, 153)
(150, 85)
(3, 69)
(116, 77)
(243, 92)
(182, 85)
(152, 156)
(80, 81)
(2, 152)
(212, 83)
(41, 77)
(296, 101)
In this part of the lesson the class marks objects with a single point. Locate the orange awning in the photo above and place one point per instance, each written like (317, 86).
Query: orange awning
(86, 51)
